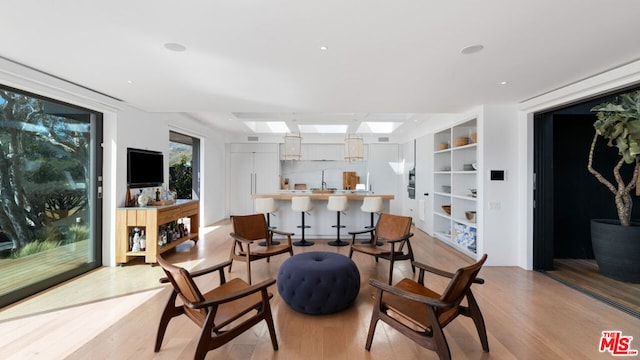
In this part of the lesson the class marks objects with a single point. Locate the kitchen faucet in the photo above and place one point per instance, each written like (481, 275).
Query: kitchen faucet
(323, 185)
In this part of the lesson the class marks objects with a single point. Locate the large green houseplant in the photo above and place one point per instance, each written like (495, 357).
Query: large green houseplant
(616, 243)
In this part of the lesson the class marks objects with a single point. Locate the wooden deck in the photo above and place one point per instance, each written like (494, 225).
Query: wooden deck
(20, 272)
(583, 275)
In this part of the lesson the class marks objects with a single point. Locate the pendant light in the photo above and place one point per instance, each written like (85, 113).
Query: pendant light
(292, 147)
(353, 148)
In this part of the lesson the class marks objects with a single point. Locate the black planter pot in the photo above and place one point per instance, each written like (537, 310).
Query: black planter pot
(617, 249)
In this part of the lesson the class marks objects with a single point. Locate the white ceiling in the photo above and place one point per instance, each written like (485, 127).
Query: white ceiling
(386, 60)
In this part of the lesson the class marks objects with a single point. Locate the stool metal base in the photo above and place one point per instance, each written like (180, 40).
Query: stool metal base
(379, 243)
(273, 242)
(303, 243)
(338, 243)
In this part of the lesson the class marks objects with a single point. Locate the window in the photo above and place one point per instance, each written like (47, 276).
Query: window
(184, 165)
(50, 218)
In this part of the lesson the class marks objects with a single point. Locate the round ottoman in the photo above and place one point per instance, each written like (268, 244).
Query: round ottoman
(318, 282)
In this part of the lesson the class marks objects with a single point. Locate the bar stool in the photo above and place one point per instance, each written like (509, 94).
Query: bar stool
(302, 204)
(266, 206)
(372, 204)
(338, 204)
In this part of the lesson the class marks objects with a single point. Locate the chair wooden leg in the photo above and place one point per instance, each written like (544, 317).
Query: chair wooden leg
(375, 316)
(170, 311)
(372, 325)
(410, 250)
(231, 256)
(248, 270)
(439, 341)
(476, 315)
(268, 317)
(205, 342)
(392, 259)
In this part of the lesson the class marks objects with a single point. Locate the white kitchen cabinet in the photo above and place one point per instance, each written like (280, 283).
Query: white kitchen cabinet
(251, 173)
(322, 152)
(382, 167)
(454, 181)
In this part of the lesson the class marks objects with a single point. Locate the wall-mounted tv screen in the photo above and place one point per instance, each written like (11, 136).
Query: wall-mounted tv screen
(144, 168)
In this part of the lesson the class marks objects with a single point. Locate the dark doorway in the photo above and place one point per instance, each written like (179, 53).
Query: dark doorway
(567, 197)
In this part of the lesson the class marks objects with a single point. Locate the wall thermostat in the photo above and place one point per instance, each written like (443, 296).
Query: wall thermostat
(497, 175)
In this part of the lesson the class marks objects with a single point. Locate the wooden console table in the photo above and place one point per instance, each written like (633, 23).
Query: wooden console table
(150, 218)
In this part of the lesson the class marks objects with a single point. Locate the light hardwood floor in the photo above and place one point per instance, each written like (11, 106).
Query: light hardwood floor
(584, 274)
(527, 314)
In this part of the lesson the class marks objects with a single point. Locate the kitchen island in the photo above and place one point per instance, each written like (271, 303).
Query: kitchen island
(320, 219)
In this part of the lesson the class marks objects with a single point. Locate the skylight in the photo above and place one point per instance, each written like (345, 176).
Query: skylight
(378, 127)
(323, 128)
(274, 127)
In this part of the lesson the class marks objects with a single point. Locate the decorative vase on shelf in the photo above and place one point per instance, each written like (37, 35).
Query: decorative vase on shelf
(144, 200)
(136, 240)
(143, 241)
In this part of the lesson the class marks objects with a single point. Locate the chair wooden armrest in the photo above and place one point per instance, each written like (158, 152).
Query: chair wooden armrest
(240, 238)
(396, 240)
(443, 273)
(361, 232)
(382, 287)
(205, 271)
(281, 232)
(234, 295)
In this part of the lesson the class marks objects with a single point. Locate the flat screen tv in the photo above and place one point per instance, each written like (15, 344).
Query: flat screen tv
(145, 168)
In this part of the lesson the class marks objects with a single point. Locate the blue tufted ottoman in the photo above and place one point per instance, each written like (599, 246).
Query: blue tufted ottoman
(318, 282)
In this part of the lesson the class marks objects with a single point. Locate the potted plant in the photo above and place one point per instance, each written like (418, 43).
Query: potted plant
(616, 243)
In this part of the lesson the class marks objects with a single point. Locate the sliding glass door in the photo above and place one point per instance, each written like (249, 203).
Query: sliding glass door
(50, 192)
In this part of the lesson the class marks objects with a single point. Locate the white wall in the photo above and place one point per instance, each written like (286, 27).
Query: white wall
(310, 172)
(151, 131)
(499, 198)
(385, 172)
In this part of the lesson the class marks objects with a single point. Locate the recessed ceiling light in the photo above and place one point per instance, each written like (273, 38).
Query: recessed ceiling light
(129, 81)
(503, 83)
(472, 49)
(175, 47)
(324, 48)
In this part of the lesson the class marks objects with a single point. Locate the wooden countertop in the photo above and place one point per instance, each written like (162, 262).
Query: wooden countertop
(161, 205)
(320, 196)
